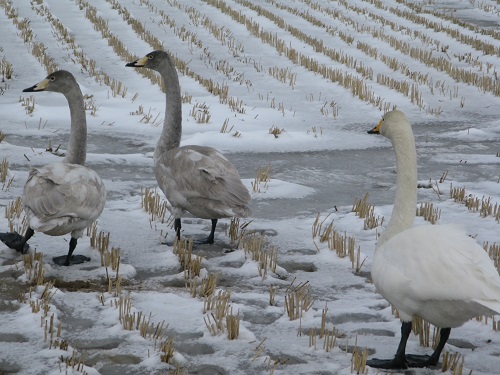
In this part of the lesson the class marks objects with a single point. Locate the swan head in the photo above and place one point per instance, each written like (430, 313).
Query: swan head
(59, 81)
(152, 60)
(393, 122)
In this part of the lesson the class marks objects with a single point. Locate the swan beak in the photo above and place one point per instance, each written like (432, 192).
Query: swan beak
(138, 63)
(40, 86)
(376, 129)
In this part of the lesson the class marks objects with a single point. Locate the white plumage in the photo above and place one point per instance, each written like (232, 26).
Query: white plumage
(435, 272)
(438, 273)
(195, 179)
(65, 197)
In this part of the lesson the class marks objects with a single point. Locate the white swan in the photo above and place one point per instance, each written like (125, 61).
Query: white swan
(65, 197)
(435, 272)
(196, 179)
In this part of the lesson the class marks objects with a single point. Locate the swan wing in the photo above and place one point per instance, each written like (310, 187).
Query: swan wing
(437, 263)
(64, 190)
(189, 175)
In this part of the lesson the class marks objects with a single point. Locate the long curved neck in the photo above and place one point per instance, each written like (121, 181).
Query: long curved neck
(77, 149)
(405, 203)
(172, 126)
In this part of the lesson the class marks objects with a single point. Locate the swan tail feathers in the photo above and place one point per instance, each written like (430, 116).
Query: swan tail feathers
(242, 211)
(493, 305)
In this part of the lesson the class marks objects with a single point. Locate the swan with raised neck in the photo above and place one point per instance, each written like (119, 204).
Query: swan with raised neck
(196, 179)
(403, 143)
(65, 197)
(435, 272)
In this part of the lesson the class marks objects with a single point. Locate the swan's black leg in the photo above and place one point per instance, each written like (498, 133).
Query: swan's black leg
(72, 246)
(399, 360)
(210, 239)
(17, 242)
(29, 233)
(70, 259)
(24, 246)
(177, 228)
(433, 359)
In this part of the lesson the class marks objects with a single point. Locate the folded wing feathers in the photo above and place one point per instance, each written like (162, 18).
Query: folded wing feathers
(64, 190)
(467, 264)
(191, 173)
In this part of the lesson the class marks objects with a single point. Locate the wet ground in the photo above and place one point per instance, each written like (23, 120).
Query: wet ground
(338, 177)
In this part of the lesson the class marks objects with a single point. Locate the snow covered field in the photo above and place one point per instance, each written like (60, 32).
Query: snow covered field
(297, 84)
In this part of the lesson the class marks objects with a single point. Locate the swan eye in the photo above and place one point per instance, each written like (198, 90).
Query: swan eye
(150, 57)
(52, 78)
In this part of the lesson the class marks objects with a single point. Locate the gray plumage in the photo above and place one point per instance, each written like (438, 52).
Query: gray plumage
(196, 179)
(65, 197)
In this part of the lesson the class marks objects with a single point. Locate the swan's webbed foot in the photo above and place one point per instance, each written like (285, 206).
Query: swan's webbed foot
(15, 241)
(71, 259)
(402, 361)
(207, 241)
(195, 242)
(420, 361)
(410, 361)
(397, 363)
(399, 360)
(64, 260)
